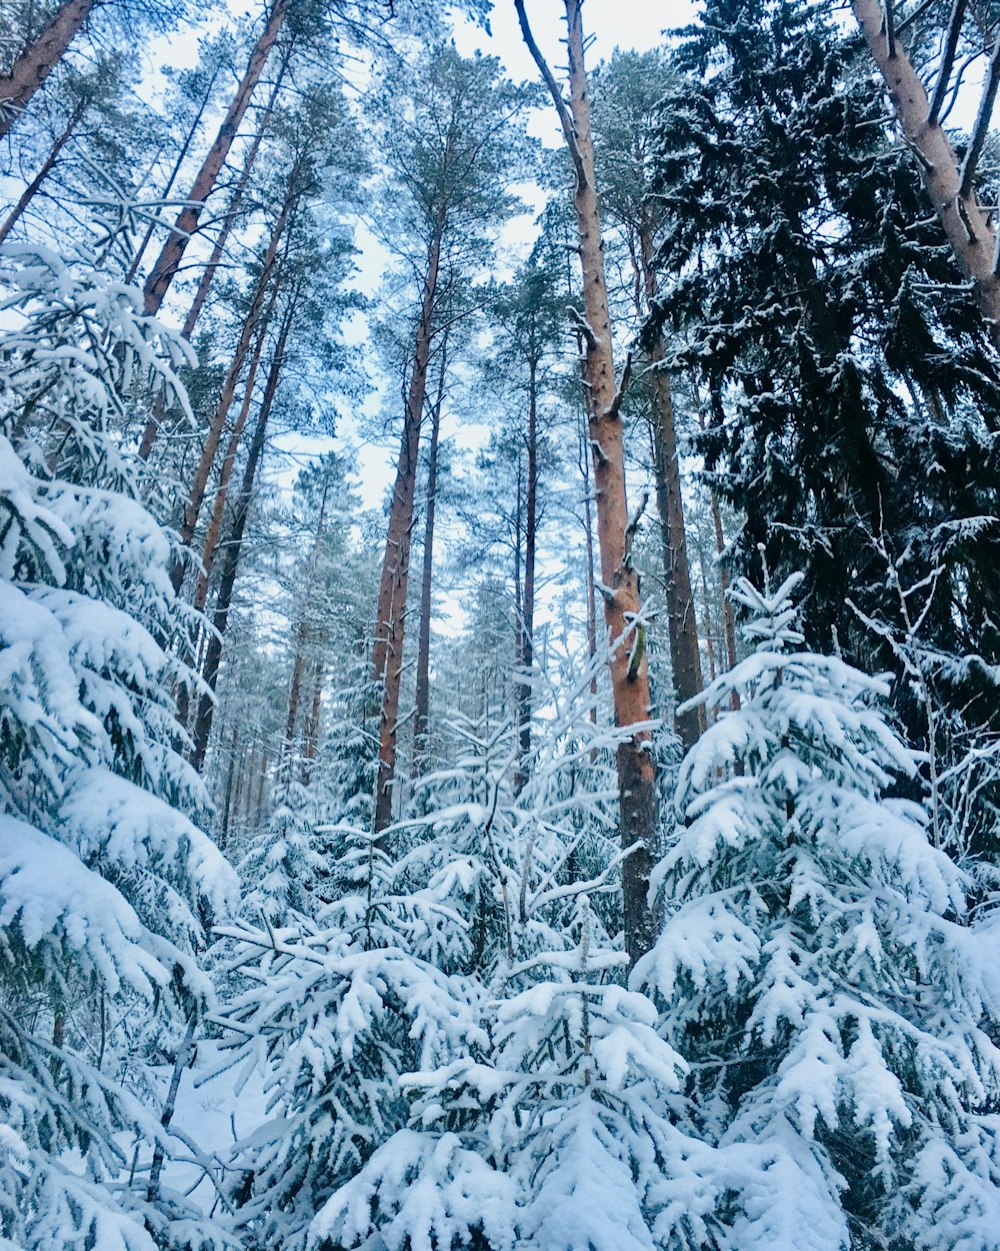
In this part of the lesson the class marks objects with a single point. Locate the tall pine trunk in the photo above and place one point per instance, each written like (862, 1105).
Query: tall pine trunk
(966, 222)
(421, 713)
(210, 448)
(163, 271)
(213, 533)
(181, 157)
(682, 623)
(39, 59)
(620, 582)
(387, 653)
(233, 548)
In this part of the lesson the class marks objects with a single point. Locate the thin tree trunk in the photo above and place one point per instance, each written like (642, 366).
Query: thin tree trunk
(233, 548)
(227, 803)
(629, 673)
(181, 157)
(214, 531)
(28, 194)
(421, 715)
(302, 632)
(181, 1061)
(965, 221)
(162, 273)
(155, 422)
(387, 653)
(39, 59)
(526, 657)
(199, 483)
(219, 247)
(682, 623)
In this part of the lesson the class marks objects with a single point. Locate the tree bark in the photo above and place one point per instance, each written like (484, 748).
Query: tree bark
(233, 548)
(199, 483)
(387, 653)
(620, 582)
(214, 532)
(965, 221)
(152, 429)
(181, 157)
(47, 167)
(39, 59)
(165, 268)
(310, 733)
(421, 714)
(682, 623)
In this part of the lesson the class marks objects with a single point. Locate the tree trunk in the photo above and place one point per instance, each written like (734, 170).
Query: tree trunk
(526, 656)
(682, 623)
(199, 483)
(387, 653)
(47, 167)
(181, 157)
(310, 733)
(39, 59)
(231, 556)
(227, 803)
(152, 429)
(966, 222)
(162, 274)
(620, 582)
(214, 531)
(422, 701)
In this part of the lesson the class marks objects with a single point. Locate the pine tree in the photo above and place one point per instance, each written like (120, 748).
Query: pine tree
(817, 967)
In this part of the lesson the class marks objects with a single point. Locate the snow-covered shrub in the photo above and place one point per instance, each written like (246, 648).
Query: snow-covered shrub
(106, 882)
(817, 968)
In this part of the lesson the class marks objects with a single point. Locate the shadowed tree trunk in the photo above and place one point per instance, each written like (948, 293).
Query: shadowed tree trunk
(199, 482)
(620, 582)
(28, 194)
(421, 714)
(387, 654)
(163, 271)
(526, 649)
(233, 548)
(682, 624)
(39, 59)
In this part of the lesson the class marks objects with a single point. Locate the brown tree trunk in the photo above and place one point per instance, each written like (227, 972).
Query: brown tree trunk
(47, 167)
(181, 157)
(682, 623)
(162, 274)
(620, 583)
(227, 803)
(199, 483)
(231, 555)
(152, 429)
(302, 638)
(219, 247)
(387, 653)
(422, 702)
(39, 59)
(214, 531)
(966, 222)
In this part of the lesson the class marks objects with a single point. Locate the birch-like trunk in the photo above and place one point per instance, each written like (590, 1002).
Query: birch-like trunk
(39, 59)
(620, 581)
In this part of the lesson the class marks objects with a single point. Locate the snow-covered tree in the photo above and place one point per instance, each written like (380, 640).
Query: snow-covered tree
(106, 883)
(817, 967)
